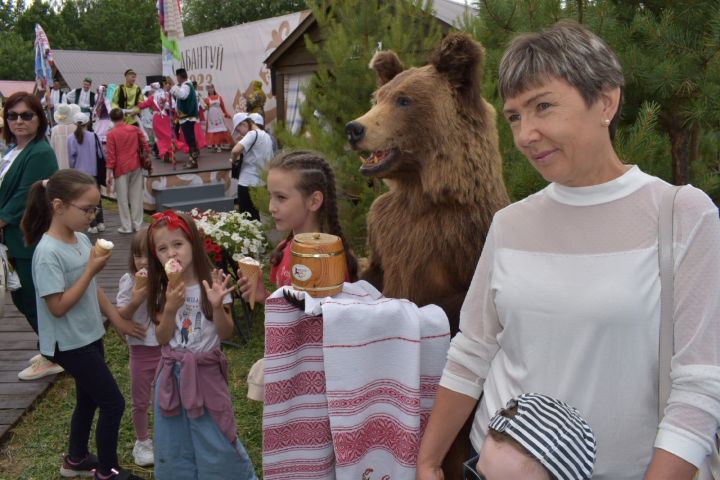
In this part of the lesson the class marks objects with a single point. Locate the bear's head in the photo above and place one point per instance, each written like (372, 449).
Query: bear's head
(429, 124)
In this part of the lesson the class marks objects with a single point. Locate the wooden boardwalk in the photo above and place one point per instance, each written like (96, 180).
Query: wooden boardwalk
(18, 343)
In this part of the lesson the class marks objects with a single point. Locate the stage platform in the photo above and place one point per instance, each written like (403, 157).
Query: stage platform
(213, 168)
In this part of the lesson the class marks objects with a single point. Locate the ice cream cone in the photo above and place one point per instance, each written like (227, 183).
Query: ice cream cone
(141, 282)
(174, 278)
(173, 270)
(103, 247)
(250, 271)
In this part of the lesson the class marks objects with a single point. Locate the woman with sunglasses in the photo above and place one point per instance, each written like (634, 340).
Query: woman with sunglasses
(31, 159)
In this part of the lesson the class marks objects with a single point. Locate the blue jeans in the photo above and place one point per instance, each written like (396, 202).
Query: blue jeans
(196, 449)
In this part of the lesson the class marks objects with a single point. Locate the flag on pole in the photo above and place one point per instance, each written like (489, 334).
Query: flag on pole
(43, 59)
(171, 30)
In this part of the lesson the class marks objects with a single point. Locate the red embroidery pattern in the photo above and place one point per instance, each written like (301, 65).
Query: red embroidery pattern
(384, 391)
(299, 434)
(377, 431)
(296, 468)
(304, 383)
(289, 339)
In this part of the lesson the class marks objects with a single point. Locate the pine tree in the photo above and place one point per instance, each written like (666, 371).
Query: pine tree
(342, 88)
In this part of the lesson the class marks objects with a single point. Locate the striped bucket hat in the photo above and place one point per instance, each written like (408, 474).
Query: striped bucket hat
(552, 432)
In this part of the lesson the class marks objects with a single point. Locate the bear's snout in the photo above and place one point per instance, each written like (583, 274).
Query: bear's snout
(355, 132)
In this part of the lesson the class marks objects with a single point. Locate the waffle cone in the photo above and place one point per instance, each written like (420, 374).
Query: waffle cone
(251, 272)
(174, 279)
(141, 282)
(100, 252)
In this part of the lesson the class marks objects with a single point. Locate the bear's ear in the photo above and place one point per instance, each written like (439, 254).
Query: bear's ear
(461, 60)
(386, 64)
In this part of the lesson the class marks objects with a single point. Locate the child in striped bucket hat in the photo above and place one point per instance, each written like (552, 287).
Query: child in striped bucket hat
(536, 437)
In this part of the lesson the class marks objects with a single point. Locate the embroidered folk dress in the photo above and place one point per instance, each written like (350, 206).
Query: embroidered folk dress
(565, 301)
(217, 132)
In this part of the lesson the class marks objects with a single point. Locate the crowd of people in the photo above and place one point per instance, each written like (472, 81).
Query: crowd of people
(556, 362)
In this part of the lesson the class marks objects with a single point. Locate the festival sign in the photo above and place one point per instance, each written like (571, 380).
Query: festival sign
(232, 57)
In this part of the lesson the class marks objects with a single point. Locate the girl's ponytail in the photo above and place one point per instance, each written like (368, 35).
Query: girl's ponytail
(66, 185)
(333, 222)
(38, 213)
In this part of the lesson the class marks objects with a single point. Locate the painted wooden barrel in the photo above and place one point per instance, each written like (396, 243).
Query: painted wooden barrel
(317, 264)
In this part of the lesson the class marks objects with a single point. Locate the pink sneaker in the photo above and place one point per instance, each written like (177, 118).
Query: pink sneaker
(40, 368)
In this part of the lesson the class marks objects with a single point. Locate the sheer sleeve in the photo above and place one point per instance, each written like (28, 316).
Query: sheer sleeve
(692, 415)
(473, 348)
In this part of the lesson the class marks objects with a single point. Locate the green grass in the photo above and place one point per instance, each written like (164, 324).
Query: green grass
(35, 446)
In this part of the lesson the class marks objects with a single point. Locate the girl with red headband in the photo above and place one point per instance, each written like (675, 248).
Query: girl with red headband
(195, 434)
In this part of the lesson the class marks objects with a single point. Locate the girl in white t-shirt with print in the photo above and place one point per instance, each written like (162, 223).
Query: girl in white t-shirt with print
(195, 431)
(145, 352)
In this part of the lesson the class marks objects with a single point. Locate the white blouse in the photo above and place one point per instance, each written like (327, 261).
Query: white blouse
(565, 301)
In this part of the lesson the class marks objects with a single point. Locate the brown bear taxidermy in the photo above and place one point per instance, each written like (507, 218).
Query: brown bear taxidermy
(433, 139)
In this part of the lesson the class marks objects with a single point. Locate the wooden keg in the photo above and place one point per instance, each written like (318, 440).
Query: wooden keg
(318, 264)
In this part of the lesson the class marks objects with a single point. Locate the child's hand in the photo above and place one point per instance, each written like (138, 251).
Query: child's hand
(175, 297)
(219, 289)
(429, 473)
(96, 263)
(128, 327)
(139, 294)
(244, 287)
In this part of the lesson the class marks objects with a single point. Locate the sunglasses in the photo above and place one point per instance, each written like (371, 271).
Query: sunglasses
(87, 210)
(26, 116)
(469, 471)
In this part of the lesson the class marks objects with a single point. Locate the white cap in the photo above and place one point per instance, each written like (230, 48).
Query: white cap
(81, 117)
(257, 118)
(256, 381)
(238, 118)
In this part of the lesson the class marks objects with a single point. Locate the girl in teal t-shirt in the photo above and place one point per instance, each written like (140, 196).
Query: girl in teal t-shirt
(69, 315)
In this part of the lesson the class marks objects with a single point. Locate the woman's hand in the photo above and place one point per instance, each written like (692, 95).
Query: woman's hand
(244, 287)
(174, 297)
(95, 263)
(429, 473)
(219, 288)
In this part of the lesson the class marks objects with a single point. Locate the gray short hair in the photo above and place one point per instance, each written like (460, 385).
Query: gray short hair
(567, 51)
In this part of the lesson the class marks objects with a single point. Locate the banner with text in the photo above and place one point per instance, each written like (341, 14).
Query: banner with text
(232, 57)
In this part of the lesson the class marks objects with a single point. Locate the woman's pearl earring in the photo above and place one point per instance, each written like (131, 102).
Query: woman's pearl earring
(606, 123)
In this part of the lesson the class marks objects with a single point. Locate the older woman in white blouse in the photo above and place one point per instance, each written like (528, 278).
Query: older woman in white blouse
(565, 298)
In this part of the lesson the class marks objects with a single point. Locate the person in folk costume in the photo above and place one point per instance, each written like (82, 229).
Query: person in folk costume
(101, 114)
(53, 97)
(255, 98)
(146, 117)
(161, 104)
(217, 132)
(187, 112)
(84, 98)
(65, 126)
(200, 125)
(127, 97)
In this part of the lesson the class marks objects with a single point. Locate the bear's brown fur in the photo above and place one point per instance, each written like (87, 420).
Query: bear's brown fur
(434, 140)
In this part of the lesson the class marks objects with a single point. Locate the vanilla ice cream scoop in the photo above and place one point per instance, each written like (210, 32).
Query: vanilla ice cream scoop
(103, 247)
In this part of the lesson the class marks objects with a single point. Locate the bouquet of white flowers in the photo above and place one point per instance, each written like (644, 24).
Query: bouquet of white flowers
(230, 236)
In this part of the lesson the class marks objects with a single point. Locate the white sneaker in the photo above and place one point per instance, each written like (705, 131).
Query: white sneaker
(41, 368)
(101, 227)
(93, 230)
(35, 358)
(143, 454)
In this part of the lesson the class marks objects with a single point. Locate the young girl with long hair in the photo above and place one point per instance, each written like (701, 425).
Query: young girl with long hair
(69, 306)
(145, 352)
(195, 432)
(302, 200)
